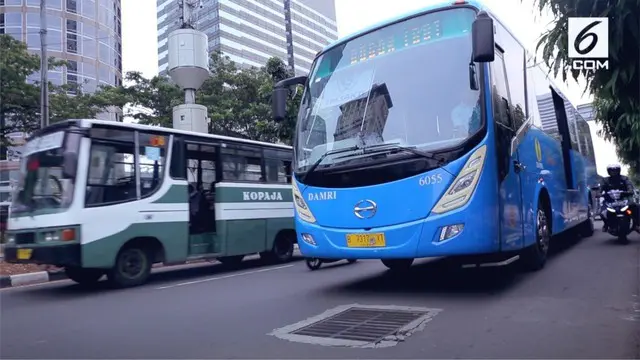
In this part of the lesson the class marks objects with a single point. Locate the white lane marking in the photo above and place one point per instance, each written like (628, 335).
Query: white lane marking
(224, 277)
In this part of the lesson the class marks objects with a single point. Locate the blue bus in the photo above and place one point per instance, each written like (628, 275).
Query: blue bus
(431, 135)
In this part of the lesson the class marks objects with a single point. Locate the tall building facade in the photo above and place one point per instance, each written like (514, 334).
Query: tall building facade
(252, 31)
(587, 111)
(86, 33)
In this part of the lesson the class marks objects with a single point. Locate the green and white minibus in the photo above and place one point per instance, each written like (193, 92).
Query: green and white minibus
(105, 198)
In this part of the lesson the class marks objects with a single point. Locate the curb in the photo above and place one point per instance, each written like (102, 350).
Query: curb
(7, 281)
(39, 277)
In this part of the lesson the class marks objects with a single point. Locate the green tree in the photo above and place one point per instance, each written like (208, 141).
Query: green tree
(152, 100)
(238, 100)
(278, 70)
(616, 91)
(20, 99)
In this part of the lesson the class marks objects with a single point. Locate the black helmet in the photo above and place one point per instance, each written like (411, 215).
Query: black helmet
(614, 170)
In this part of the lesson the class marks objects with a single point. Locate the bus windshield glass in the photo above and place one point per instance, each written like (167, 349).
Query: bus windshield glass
(45, 183)
(406, 84)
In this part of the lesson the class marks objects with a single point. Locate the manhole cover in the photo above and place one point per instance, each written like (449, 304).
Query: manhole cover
(359, 326)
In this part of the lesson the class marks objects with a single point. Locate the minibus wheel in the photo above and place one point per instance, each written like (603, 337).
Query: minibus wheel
(282, 250)
(132, 267)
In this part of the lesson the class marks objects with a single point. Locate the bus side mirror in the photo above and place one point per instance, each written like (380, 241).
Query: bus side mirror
(280, 94)
(70, 165)
(279, 103)
(482, 36)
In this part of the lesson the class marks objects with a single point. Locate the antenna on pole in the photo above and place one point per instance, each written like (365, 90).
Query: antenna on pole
(189, 68)
(44, 67)
(188, 10)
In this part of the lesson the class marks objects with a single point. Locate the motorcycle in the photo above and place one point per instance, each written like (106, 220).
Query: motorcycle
(618, 214)
(316, 263)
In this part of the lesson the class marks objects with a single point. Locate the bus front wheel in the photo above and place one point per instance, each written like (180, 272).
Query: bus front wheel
(534, 257)
(84, 276)
(132, 268)
(397, 264)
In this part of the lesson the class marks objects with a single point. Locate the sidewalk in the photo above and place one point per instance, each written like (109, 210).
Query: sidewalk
(7, 269)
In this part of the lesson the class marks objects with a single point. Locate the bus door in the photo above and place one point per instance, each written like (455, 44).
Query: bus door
(509, 166)
(200, 173)
(575, 203)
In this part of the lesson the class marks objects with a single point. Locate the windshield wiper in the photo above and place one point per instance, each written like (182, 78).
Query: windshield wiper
(396, 148)
(323, 156)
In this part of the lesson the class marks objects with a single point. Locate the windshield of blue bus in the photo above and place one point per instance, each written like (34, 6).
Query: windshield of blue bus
(406, 84)
(43, 184)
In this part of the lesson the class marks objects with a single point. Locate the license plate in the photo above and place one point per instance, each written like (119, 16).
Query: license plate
(24, 254)
(366, 240)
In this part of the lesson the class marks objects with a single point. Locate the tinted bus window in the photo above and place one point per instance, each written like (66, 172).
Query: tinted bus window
(241, 163)
(514, 64)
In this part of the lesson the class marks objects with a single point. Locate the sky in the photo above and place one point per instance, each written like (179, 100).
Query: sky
(139, 39)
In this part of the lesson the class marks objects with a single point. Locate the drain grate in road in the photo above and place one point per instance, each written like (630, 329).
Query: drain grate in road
(370, 325)
(359, 326)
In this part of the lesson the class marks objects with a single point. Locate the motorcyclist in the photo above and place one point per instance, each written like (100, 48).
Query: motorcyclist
(617, 181)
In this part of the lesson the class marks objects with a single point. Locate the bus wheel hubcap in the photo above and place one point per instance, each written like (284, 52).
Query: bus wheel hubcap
(132, 263)
(543, 232)
(282, 248)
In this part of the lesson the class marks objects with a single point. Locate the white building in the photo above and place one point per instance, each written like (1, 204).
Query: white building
(251, 32)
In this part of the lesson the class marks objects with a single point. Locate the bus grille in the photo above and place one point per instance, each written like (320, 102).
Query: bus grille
(25, 238)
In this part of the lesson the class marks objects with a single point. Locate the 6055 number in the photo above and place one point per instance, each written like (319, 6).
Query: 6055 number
(430, 179)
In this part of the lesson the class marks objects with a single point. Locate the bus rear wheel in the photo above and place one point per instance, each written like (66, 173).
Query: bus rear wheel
(84, 276)
(587, 228)
(282, 250)
(132, 268)
(397, 264)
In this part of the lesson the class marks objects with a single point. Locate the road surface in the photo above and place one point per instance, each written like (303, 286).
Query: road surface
(584, 304)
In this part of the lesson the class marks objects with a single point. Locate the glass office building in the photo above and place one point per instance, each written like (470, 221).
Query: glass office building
(252, 31)
(87, 33)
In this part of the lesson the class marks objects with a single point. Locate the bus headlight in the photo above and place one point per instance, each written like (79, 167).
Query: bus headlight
(300, 205)
(11, 239)
(51, 236)
(450, 231)
(463, 186)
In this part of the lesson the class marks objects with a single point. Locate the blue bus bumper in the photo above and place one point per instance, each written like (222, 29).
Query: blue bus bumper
(421, 238)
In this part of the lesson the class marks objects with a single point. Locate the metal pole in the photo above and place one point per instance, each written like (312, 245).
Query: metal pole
(3, 148)
(44, 67)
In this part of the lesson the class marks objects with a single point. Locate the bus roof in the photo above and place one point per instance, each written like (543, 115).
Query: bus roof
(397, 18)
(176, 131)
(442, 4)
